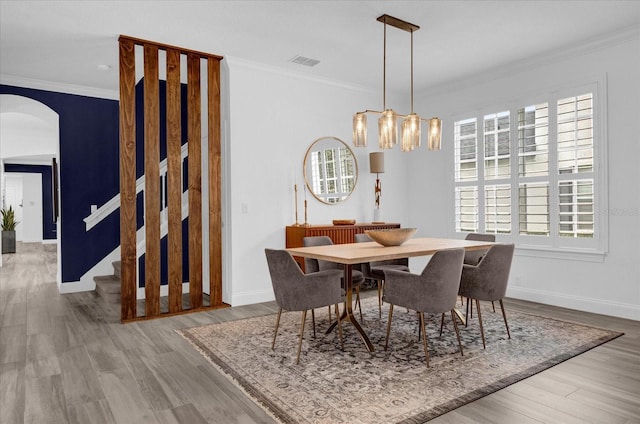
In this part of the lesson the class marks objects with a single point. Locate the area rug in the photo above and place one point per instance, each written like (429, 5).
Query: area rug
(353, 385)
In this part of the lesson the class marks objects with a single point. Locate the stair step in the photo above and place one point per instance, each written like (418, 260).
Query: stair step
(117, 268)
(108, 287)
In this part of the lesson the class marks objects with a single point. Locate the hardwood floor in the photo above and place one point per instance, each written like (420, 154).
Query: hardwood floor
(67, 359)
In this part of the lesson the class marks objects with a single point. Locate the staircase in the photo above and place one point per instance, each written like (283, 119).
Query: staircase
(108, 286)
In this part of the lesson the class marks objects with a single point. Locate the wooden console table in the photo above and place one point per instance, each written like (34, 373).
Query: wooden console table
(339, 234)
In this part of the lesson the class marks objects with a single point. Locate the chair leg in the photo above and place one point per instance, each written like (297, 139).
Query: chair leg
(304, 317)
(504, 315)
(441, 324)
(424, 340)
(275, 332)
(339, 326)
(379, 284)
(484, 345)
(455, 326)
(386, 342)
(313, 321)
(493, 305)
(466, 314)
(330, 320)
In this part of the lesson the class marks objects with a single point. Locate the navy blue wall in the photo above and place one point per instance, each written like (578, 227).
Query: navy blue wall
(89, 174)
(48, 224)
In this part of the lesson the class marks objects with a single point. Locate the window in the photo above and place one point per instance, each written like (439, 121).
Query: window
(547, 195)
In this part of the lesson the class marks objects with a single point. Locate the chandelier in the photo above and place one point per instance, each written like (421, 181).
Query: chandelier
(411, 127)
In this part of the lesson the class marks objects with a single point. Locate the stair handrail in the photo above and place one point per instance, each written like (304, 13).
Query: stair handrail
(113, 204)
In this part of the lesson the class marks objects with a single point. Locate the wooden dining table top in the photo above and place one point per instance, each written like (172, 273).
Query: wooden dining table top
(355, 253)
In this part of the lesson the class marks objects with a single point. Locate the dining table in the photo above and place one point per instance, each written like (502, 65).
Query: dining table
(350, 254)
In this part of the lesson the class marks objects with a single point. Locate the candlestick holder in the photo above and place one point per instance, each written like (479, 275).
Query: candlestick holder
(295, 201)
(306, 223)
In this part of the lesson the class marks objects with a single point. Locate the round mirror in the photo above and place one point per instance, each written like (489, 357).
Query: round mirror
(330, 170)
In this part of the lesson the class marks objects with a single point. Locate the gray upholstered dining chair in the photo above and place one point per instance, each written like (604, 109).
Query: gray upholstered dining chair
(434, 291)
(375, 270)
(488, 280)
(296, 291)
(315, 265)
(472, 257)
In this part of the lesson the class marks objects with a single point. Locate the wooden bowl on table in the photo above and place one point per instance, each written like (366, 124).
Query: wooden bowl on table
(391, 237)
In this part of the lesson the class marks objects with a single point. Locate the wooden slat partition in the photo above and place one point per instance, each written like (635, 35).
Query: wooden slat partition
(152, 180)
(128, 256)
(195, 183)
(215, 193)
(174, 181)
(153, 195)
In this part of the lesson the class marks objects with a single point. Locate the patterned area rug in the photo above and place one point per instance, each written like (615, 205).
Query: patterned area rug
(393, 386)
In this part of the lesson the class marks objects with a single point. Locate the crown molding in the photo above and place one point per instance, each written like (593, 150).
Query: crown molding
(586, 46)
(58, 87)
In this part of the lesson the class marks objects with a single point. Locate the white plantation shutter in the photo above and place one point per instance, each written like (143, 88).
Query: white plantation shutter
(466, 150)
(496, 146)
(575, 134)
(533, 140)
(467, 209)
(575, 201)
(497, 208)
(533, 208)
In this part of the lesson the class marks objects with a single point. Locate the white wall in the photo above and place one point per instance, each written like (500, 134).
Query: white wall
(274, 118)
(610, 287)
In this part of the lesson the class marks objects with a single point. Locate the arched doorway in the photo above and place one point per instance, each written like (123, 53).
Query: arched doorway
(29, 137)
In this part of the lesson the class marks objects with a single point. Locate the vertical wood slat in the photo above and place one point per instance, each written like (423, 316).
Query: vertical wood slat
(152, 180)
(195, 180)
(215, 178)
(174, 181)
(127, 180)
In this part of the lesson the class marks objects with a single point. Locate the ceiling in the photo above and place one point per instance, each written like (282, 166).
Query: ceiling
(66, 41)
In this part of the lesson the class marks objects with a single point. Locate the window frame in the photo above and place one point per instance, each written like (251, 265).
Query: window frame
(554, 245)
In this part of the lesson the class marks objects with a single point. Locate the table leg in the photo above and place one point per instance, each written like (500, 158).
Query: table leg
(348, 309)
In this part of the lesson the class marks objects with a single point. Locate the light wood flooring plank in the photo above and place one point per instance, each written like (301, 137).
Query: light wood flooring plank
(97, 412)
(12, 395)
(45, 400)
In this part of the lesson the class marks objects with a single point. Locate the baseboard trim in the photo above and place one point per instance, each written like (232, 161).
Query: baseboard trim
(249, 298)
(586, 304)
(76, 286)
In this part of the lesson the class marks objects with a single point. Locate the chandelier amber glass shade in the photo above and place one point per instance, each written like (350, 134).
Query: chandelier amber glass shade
(411, 132)
(360, 129)
(435, 134)
(388, 129)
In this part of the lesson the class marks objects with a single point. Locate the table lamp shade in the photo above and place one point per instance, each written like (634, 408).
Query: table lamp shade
(376, 162)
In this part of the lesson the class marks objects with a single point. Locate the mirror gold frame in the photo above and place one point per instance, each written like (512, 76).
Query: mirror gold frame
(330, 170)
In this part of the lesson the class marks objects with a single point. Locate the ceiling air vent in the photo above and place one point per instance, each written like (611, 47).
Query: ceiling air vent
(301, 60)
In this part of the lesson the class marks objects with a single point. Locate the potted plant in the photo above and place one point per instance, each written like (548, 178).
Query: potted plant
(8, 230)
